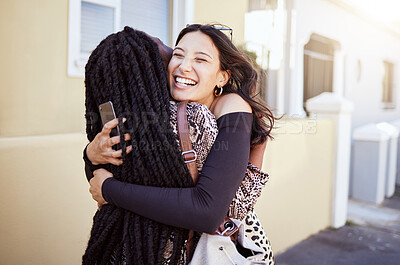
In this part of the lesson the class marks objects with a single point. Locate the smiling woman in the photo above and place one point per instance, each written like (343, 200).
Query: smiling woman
(194, 69)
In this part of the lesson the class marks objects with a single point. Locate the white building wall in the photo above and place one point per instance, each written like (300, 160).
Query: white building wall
(361, 40)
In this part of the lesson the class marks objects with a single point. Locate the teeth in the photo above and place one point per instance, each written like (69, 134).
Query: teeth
(186, 82)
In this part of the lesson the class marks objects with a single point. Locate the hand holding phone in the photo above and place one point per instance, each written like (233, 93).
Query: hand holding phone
(98, 151)
(107, 114)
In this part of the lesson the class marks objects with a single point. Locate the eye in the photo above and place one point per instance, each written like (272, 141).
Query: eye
(201, 60)
(177, 55)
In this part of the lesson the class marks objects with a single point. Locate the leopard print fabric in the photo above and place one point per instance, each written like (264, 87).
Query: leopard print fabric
(248, 193)
(255, 231)
(203, 132)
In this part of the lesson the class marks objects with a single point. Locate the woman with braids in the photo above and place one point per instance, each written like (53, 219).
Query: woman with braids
(127, 69)
(206, 68)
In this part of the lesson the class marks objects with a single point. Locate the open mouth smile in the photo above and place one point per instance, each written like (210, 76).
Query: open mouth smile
(185, 81)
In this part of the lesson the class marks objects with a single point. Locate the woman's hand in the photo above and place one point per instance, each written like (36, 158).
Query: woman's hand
(100, 175)
(100, 151)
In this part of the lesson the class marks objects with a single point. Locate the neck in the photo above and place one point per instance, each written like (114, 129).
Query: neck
(211, 107)
(209, 103)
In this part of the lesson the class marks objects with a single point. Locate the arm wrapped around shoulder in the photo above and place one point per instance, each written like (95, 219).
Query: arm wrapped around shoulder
(203, 207)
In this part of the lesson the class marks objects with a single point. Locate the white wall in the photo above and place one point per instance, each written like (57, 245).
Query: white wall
(360, 39)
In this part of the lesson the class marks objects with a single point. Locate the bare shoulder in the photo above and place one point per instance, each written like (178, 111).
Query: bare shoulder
(230, 103)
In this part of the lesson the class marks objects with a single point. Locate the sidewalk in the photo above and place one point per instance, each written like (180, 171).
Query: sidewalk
(371, 236)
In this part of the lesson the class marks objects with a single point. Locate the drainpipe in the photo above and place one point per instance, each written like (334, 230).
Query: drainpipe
(286, 95)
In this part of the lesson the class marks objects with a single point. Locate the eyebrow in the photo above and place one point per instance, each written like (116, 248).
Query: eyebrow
(203, 53)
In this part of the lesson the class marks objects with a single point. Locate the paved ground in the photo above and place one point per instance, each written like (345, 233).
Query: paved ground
(372, 236)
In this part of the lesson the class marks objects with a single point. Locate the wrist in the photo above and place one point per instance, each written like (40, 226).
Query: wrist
(89, 154)
(104, 188)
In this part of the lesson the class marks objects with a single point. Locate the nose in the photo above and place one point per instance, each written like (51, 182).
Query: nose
(186, 65)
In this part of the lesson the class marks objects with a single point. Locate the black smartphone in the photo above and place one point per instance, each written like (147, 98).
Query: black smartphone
(107, 114)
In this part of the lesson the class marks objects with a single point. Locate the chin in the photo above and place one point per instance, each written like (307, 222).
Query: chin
(180, 95)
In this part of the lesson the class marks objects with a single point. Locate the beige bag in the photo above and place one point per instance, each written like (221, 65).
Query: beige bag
(219, 249)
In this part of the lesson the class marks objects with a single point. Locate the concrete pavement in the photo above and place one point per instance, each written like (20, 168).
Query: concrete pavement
(371, 237)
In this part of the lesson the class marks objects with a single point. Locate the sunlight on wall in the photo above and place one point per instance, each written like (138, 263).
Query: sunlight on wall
(384, 10)
(264, 35)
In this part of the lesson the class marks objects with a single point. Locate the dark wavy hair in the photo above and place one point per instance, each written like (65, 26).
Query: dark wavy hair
(243, 78)
(127, 69)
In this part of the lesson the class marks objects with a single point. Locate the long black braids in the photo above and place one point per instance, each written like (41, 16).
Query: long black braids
(127, 69)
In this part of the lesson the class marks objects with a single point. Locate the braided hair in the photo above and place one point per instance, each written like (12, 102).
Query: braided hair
(127, 69)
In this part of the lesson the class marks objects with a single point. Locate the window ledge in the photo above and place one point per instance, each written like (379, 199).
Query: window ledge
(388, 105)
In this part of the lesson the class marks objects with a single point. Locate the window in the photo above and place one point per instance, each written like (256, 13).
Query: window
(90, 21)
(318, 66)
(387, 86)
(263, 5)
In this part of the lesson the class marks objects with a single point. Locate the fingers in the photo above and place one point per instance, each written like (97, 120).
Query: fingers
(118, 154)
(127, 137)
(109, 126)
(129, 149)
(115, 161)
(113, 140)
(98, 171)
(116, 139)
(92, 192)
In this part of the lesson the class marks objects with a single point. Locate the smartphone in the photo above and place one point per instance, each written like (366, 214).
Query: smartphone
(107, 114)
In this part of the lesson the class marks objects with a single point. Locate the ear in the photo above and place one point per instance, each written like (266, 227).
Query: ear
(225, 75)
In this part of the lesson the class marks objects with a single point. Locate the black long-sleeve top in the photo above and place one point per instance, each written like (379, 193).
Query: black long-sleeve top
(202, 207)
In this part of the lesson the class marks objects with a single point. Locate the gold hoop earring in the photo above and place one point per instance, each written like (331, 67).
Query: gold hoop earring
(218, 91)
